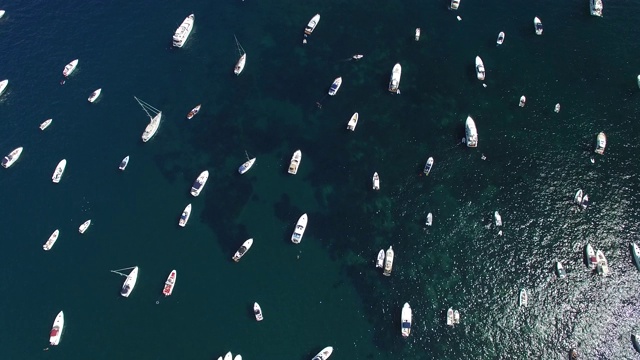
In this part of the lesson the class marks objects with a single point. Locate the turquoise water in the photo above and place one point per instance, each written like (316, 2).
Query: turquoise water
(326, 290)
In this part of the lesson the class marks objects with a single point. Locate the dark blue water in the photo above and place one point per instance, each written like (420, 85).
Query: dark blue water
(326, 290)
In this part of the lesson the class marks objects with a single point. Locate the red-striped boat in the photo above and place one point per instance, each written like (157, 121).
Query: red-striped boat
(170, 283)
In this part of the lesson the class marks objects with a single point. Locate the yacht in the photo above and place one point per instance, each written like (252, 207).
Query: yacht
(69, 68)
(193, 112)
(578, 198)
(428, 165)
(56, 330)
(405, 319)
(537, 25)
(51, 241)
(324, 354)
(85, 225)
(186, 213)
(45, 124)
(376, 181)
(298, 232)
(335, 86)
(129, 283)
(198, 185)
(455, 4)
(170, 283)
(57, 173)
(596, 7)
(311, 26)
(3, 85)
(635, 251)
(524, 298)
(388, 263)
(11, 157)
(242, 250)
(94, 95)
(603, 264)
(523, 100)
(351, 125)
(601, 143)
(417, 34)
(295, 162)
(183, 32)
(480, 73)
(560, 269)
(257, 311)
(500, 38)
(498, 218)
(456, 317)
(394, 82)
(429, 221)
(240, 64)
(471, 133)
(450, 317)
(592, 261)
(246, 166)
(124, 163)
(557, 108)
(154, 122)
(380, 259)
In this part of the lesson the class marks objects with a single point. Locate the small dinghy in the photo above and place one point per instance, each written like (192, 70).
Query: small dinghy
(376, 181)
(94, 95)
(560, 270)
(429, 221)
(388, 263)
(524, 298)
(85, 225)
(335, 86)
(380, 259)
(351, 125)
(427, 166)
(45, 124)
(537, 24)
(193, 112)
(557, 108)
(601, 143)
(257, 311)
(497, 218)
(523, 100)
(242, 250)
(500, 38)
(124, 163)
(635, 252)
(417, 37)
(450, 318)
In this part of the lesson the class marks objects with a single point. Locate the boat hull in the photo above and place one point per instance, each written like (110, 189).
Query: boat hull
(129, 283)
(353, 122)
(396, 75)
(246, 166)
(56, 330)
(295, 162)
(184, 218)
(184, 30)
(242, 250)
(388, 263)
(335, 86)
(59, 171)
(199, 183)
(601, 143)
(170, 283)
(12, 157)
(299, 230)
(471, 132)
(94, 95)
(405, 320)
(240, 64)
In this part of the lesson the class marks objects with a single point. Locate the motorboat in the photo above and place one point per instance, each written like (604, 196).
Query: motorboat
(94, 95)
(556, 109)
(537, 25)
(592, 261)
(3, 85)
(635, 252)
(417, 34)
(524, 298)
(523, 100)
(246, 166)
(335, 86)
(357, 56)
(471, 133)
(257, 311)
(69, 68)
(450, 317)
(578, 198)
(186, 213)
(595, 6)
(129, 283)
(497, 218)
(480, 73)
(429, 221)
(242, 250)
(12, 157)
(170, 283)
(85, 225)
(228, 356)
(388, 262)
(500, 38)
(310, 27)
(124, 163)
(56, 330)
(193, 112)
(298, 232)
(456, 317)
(394, 82)
(601, 143)
(380, 259)
(199, 183)
(324, 354)
(455, 4)
(57, 173)
(2, 12)
(376, 181)
(585, 201)
(603, 264)
(295, 162)
(183, 31)
(351, 125)
(428, 165)
(51, 241)
(405, 320)
(638, 81)
(45, 124)
(560, 270)
(240, 64)
(154, 115)
(573, 354)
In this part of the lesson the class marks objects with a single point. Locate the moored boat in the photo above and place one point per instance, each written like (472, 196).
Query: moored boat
(560, 270)
(57, 173)
(497, 218)
(335, 86)
(11, 157)
(537, 24)
(601, 143)
(246, 165)
(429, 221)
(455, 4)
(3, 85)
(69, 68)
(480, 73)
(242, 250)
(585, 201)
(124, 163)
(94, 95)
(51, 241)
(240, 64)
(129, 283)
(380, 259)
(295, 162)
(456, 317)
(592, 261)
(557, 108)
(523, 101)
(636, 342)
(193, 112)
(573, 354)
(257, 311)
(170, 283)
(357, 56)
(2, 12)
(524, 298)
(324, 354)
(45, 124)
(351, 125)
(638, 80)
(471, 133)
(186, 213)
(595, 6)
(635, 252)
(228, 356)
(450, 318)
(310, 27)
(427, 166)
(199, 183)
(417, 36)
(405, 320)
(603, 264)
(578, 198)
(394, 82)
(56, 330)
(376, 181)
(298, 232)
(500, 38)
(85, 225)
(154, 122)
(388, 262)
(183, 31)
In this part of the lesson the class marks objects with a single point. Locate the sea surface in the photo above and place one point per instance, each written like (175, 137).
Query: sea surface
(326, 290)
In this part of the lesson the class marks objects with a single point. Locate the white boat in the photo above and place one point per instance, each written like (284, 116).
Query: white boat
(429, 221)
(456, 317)
(578, 198)
(57, 173)
(351, 125)
(257, 311)
(560, 270)
(380, 259)
(638, 80)
(242, 60)
(471, 133)
(51, 241)
(595, 6)
(376, 181)
(167, 290)
(335, 86)
(601, 143)
(129, 283)
(94, 95)
(246, 166)
(585, 201)
(524, 298)
(498, 218)
(124, 163)
(394, 82)
(455, 4)
(186, 213)
(228, 356)
(417, 34)
(11, 157)
(500, 38)
(56, 330)
(199, 183)
(154, 122)
(388, 262)
(557, 108)
(360, 56)
(2, 12)
(295, 162)
(298, 232)
(523, 100)
(85, 225)
(69, 68)
(405, 320)
(450, 318)
(603, 264)
(242, 250)
(183, 32)
(592, 261)
(45, 124)
(3, 85)
(480, 73)
(193, 112)
(310, 27)
(635, 252)
(537, 25)
(324, 354)
(427, 166)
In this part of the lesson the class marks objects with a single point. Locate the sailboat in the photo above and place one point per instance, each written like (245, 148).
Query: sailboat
(130, 282)
(246, 165)
(154, 123)
(243, 58)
